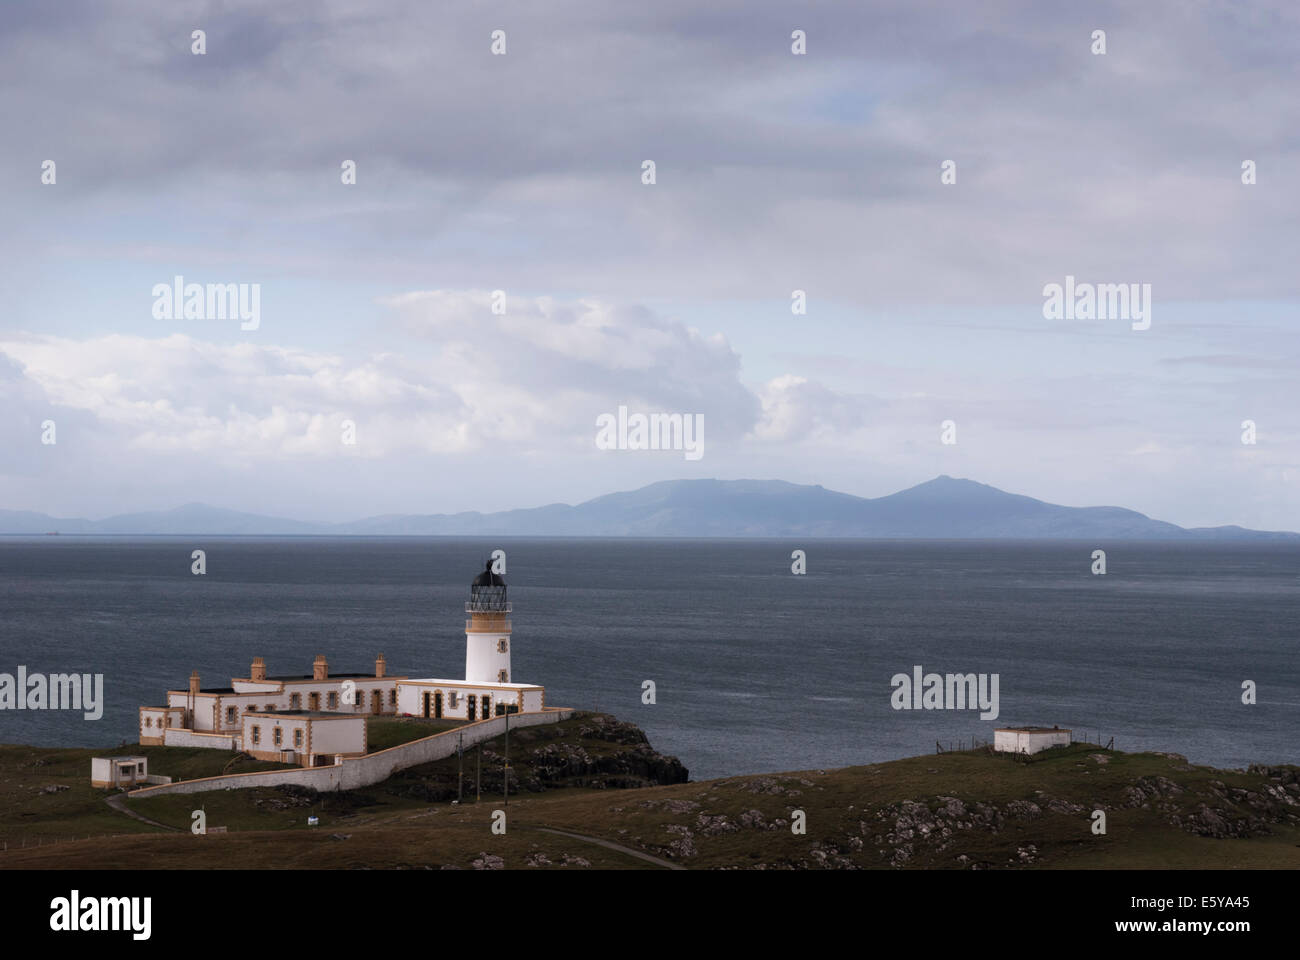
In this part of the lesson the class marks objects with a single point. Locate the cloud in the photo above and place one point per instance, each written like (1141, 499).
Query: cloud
(796, 409)
(818, 172)
(532, 379)
(178, 393)
(572, 360)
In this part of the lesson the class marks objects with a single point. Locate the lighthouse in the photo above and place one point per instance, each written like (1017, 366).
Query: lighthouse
(487, 631)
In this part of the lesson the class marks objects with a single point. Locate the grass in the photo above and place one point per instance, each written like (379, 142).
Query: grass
(385, 732)
(30, 816)
(852, 814)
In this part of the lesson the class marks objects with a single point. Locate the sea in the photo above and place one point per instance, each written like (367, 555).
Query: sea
(754, 668)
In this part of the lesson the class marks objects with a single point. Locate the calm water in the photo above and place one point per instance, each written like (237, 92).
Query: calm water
(756, 669)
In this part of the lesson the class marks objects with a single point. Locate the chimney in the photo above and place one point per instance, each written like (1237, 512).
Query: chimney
(194, 682)
(258, 670)
(320, 668)
(380, 665)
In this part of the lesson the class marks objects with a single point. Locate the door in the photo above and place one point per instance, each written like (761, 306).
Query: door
(376, 702)
(426, 704)
(486, 714)
(437, 705)
(469, 707)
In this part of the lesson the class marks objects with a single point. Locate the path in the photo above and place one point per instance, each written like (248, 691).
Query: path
(614, 846)
(118, 802)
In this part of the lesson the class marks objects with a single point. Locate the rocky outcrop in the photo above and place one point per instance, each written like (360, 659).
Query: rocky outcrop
(1238, 812)
(569, 764)
(285, 797)
(591, 750)
(540, 859)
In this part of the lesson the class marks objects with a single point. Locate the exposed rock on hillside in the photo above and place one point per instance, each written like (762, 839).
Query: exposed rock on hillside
(590, 750)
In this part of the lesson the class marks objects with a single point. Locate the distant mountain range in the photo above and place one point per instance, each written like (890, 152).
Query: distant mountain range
(943, 508)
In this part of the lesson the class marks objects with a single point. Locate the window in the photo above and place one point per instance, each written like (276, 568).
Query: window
(501, 645)
(392, 697)
(297, 738)
(502, 676)
(252, 708)
(295, 701)
(257, 734)
(269, 707)
(313, 701)
(485, 700)
(139, 768)
(279, 736)
(148, 721)
(332, 699)
(230, 714)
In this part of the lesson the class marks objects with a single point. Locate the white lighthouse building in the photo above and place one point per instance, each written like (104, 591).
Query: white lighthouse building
(487, 631)
(487, 689)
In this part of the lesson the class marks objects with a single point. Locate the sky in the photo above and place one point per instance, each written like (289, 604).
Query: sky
(523, 171)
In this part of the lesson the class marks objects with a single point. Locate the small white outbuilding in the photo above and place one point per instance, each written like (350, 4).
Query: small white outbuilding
(1029, 739)
(118, 771)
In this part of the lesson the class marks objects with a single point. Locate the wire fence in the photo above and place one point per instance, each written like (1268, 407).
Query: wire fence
(35, 841)
(976, 745)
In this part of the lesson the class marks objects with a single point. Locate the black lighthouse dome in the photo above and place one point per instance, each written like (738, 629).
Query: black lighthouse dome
(488, 579)
(487, 594)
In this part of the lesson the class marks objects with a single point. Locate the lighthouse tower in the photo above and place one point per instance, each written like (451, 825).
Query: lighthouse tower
(487, 631)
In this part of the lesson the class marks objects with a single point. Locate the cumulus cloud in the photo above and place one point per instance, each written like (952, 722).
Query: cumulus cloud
(572, 360)
(243, 399)
(535, 377)
(795, 408)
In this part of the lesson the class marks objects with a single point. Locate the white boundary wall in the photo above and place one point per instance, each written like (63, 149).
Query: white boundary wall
(181, 737)
(356, 772)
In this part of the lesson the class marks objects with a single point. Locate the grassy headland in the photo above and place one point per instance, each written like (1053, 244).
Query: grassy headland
(598, 777)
